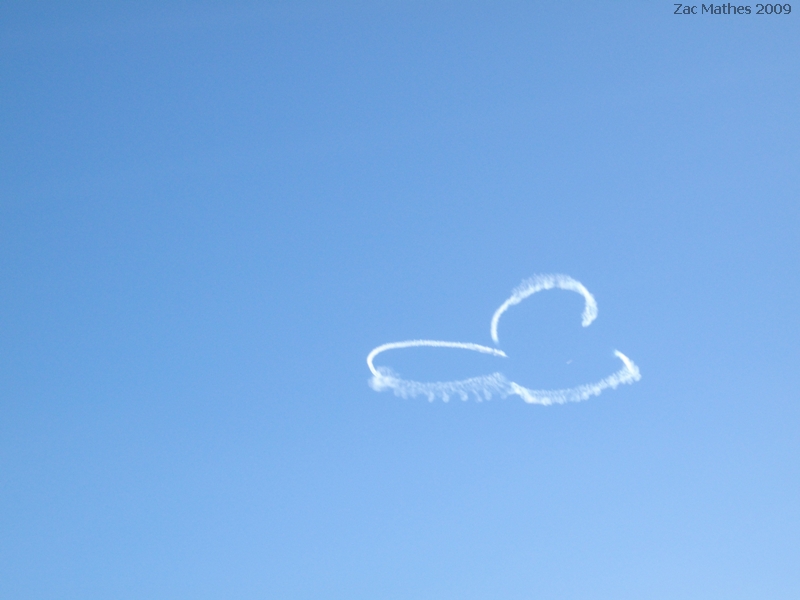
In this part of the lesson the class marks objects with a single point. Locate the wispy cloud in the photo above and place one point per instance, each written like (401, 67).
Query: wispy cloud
(487, 386)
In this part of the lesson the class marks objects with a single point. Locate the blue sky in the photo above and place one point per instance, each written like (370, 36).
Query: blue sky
(211, 213)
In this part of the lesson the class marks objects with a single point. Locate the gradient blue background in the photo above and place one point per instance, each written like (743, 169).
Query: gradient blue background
(209, 215)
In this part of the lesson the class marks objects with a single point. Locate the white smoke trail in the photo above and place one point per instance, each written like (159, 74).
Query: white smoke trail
(546, 282)
(627, 374)
(482, 387)
(485, 387)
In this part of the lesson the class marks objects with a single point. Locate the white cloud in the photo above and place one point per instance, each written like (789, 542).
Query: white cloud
(486, 386)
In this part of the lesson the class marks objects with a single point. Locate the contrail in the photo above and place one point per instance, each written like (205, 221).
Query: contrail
(431, 343)
(482, 387)
(627, 374)
(546, 282)
(486, 386)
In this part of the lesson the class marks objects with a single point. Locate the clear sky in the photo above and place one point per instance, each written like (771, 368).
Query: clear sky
(210, 213)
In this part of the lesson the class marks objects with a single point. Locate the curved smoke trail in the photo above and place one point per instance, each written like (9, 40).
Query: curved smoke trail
(485, 387)
(538, 283)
